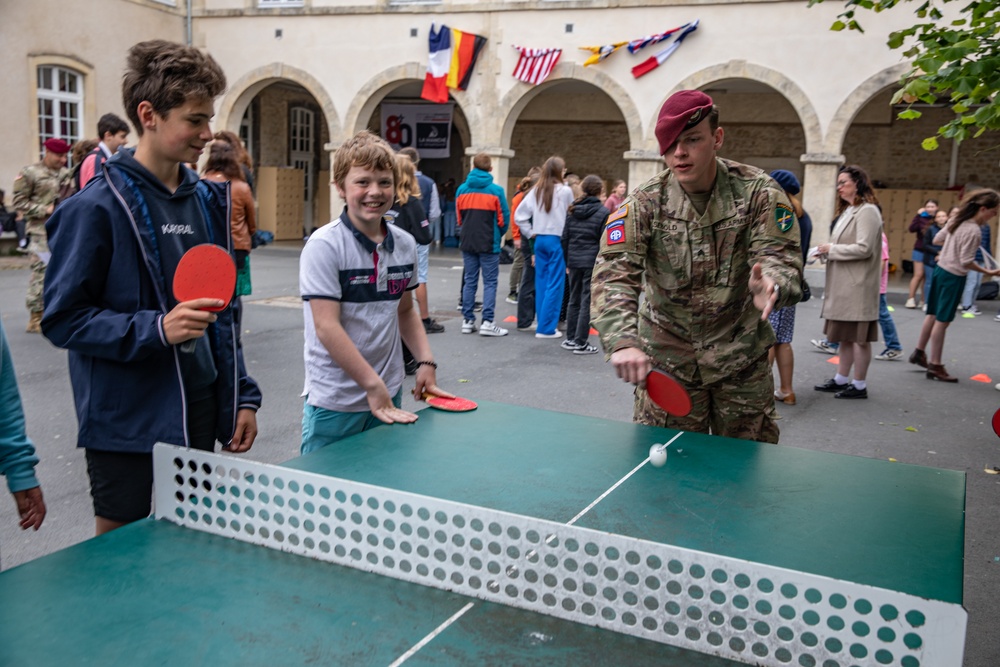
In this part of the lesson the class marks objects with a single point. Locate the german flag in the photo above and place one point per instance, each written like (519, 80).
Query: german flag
(465, 49)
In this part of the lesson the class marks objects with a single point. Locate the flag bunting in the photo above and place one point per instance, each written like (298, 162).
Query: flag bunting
(647, 66)
(601, 52)
(453, 55)
(535, 65)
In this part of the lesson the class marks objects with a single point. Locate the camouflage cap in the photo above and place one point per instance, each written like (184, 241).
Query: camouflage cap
(57, 146)
(682, 110)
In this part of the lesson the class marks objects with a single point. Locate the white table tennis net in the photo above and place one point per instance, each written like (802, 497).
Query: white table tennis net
(740, 610)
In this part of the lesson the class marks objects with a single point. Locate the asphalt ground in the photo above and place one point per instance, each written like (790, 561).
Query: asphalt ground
(906, 418)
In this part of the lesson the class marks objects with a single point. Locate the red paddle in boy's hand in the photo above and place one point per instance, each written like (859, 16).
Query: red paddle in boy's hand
(205, 280)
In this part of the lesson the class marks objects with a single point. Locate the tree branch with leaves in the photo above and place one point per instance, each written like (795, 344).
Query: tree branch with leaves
(955, 61)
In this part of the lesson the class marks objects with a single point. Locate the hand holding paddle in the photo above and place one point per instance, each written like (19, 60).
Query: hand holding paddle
(203, 283)
(631, 364)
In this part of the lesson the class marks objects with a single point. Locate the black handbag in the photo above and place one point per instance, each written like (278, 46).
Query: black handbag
(806, 292)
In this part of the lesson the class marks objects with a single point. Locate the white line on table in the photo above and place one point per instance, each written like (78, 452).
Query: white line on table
(616, 485)
(438, 630)
(444, 626)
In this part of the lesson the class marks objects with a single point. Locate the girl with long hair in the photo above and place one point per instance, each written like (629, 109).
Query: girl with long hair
(222, 166)
(959, 241)
(541, 217)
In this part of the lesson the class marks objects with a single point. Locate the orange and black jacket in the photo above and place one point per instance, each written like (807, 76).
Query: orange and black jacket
(482, 212)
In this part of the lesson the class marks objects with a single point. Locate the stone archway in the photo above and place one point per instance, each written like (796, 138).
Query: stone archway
(370, 95)
(741, 69)
(521, 94)
(849, 108)
(244, 89)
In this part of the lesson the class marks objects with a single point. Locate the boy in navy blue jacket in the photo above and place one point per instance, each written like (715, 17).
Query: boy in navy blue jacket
(108, 295)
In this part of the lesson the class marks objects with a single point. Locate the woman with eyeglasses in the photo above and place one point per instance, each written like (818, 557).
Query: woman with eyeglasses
(853, 278)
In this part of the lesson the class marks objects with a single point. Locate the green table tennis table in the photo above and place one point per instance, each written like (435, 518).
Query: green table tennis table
(512, 536)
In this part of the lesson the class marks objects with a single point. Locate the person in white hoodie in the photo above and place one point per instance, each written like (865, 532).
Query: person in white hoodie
(541, 217)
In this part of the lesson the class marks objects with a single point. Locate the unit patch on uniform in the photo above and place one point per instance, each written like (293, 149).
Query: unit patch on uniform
(783, 217)
(616, 232)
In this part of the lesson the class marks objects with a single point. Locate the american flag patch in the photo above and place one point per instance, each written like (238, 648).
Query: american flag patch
(619, 214)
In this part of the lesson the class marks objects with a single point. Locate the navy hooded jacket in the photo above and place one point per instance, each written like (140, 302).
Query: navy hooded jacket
(105, 300)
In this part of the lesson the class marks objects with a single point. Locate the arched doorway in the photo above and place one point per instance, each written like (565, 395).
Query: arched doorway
(440, 169)
(285, 130)
(762, 128)
(577, 121)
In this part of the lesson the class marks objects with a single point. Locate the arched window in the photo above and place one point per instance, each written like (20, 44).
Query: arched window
(60, 104)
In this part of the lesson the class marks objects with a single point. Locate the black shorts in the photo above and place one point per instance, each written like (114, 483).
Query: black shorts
(121, 483)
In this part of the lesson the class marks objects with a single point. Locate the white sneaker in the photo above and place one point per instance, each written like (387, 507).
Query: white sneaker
(911, 303)
(569, 345)
(469, 326)
(824, 346)
(557, 334)
(974, 309)
(490, 329)
(889, 355)
(586, 349)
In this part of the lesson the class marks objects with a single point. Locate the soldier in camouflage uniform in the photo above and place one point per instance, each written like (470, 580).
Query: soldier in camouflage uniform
(36, 192)
(713, 245)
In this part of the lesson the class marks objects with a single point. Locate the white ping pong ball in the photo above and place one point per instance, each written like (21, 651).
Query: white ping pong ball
(657, 455)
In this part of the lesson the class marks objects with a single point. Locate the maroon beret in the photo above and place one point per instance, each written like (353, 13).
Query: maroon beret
(57, 146)
(682, 110)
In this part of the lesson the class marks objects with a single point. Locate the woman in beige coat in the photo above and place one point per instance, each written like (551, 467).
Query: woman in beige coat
(853, 273)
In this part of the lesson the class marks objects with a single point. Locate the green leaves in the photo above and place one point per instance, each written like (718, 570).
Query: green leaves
(957, 61)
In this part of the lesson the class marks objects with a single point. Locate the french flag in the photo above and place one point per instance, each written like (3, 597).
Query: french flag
(436, 80)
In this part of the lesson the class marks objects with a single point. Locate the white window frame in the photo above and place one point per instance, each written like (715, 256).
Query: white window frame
(66, 126)
(264, 4)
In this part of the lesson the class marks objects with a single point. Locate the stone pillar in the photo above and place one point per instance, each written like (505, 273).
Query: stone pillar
(819, 191)
(642, 166)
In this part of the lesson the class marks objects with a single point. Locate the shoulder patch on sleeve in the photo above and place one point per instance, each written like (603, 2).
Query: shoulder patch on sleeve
(619, 214)
(615, 232)
(784, 218)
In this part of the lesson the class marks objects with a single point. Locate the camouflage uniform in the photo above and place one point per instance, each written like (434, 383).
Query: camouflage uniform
(35, 188)
(698, 320)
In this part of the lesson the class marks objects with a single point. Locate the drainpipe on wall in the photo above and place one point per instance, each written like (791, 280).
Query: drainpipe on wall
(189, 22)
(953, 167)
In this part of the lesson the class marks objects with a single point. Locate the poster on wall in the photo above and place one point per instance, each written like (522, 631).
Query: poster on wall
(426, 127)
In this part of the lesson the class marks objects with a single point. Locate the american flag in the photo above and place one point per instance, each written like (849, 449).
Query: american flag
(535, 65)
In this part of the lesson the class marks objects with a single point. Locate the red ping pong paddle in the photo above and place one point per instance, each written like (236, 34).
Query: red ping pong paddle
(206, 271)
(996, 422)
(453, 404)
(668, 393)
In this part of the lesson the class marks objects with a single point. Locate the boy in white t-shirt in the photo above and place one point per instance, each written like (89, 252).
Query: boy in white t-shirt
(353, 277)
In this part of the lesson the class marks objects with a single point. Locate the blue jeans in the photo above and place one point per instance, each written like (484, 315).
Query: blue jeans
(972, 282)
(489, 262)
(322, 427)
(550, 281)
(928, 279)
(888, 326)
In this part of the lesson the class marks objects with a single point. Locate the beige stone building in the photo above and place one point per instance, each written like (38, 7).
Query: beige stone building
(305, 74)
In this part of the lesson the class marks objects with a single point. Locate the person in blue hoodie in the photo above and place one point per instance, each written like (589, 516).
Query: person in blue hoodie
(17, 454)
(483, 217)
(109, 298)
